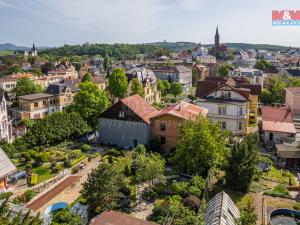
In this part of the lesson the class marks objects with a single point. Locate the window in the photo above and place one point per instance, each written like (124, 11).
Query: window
(241, 111)
(162, 140)
(222, 94)
(222, 110)
(44, 102)
(121, 114)
(240, 125)
(223, 125)
(162, 127)
(229, 95)
(36, 104)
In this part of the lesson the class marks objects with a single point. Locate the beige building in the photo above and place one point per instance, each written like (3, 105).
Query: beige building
(149, 82)
(39, 105)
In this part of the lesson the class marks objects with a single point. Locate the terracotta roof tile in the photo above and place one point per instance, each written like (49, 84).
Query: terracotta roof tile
(140, 107)
(278, 119)
(183, 110)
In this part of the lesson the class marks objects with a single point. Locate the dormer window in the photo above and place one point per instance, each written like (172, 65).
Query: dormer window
(121, 114)
(229, 95)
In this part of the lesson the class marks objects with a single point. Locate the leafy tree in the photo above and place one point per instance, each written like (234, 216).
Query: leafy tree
(201, 146)
(26, 86)
(266, 97)
(136, 87)
(224, 70)
(106, 62)
(148, 167)
(103, 188)
(89, 102)
(175, 89)
(161, 87)
(14, 69)
(87, 77)
(167, 86)
(118, 83)
(53, 129)
(242, 161)
(262, 64)
(248, 216)
(66, 217)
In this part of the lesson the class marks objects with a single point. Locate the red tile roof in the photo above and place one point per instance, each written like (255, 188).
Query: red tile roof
(255, 89)
(278, 119)
(183, 110)
(117, 218)
(205, 86)
(140, 107)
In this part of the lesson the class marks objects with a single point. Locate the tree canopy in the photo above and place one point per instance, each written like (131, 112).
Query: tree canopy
(149, 167)
(241, 163)
(262, 64)
(118, 83)
(136, 87)
(175, 89)
(87, 77)
(65, 217)
(161, 87)
(53, 129)
(200, 147)
(25, 86)
(89, 102)
(224, 70)
(103, 188)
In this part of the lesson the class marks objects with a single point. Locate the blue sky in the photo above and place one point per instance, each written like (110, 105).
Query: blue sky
(55, 22)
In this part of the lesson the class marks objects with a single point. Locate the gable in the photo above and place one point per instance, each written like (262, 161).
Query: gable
(226, 91)
(119, 108)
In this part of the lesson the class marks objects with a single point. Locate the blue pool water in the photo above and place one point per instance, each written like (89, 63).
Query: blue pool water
(55, 207)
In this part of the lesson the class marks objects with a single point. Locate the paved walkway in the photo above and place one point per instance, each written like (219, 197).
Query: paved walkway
(44, 198)
(143, 208)
(72, 192)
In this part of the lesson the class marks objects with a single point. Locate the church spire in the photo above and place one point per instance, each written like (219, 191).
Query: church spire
(217, 38)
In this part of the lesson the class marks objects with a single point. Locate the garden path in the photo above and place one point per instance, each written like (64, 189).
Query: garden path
(143, 208)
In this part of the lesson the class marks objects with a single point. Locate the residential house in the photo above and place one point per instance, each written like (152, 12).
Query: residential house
(292, 100)
(277, 124)
(66, 70)
(149, 82)
(293, 72)
(221, 210)
(127, 123)
(207, 59)
(288, 155)
(226, 104)
(25, 66)
(200, 72)
(9, 82)
(6, 168)
(180, 74)
(165, 124)
(118, 218)
(5, 123)
(100, 81)
(39, 105)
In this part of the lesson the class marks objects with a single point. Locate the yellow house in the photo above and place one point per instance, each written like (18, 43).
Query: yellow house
(255, 92)
(149, 82)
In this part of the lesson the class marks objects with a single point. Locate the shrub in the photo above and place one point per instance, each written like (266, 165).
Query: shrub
(67, 163)
(5, 195)
(279, 191)
(58, 168)
(115, 153)
(28, 195)
(179, 188)
(192, 202)
(296, 207)
(149, 194)
(85, 147)
(33, 179)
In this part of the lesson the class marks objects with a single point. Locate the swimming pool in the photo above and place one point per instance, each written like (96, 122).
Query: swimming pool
(284, 217)
(55, 207)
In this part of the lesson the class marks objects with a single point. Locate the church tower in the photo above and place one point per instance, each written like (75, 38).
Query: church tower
(217, 39)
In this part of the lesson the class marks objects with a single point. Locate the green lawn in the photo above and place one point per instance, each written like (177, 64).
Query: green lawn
(43, 172)
(5, 53)
(275, 175)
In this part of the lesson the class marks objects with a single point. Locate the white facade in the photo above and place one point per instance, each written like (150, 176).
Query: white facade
(277, 137)
(228, 108)
(5, 124)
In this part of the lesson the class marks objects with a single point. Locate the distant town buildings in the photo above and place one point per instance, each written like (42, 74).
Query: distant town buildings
(180, 74)
(149, 82)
